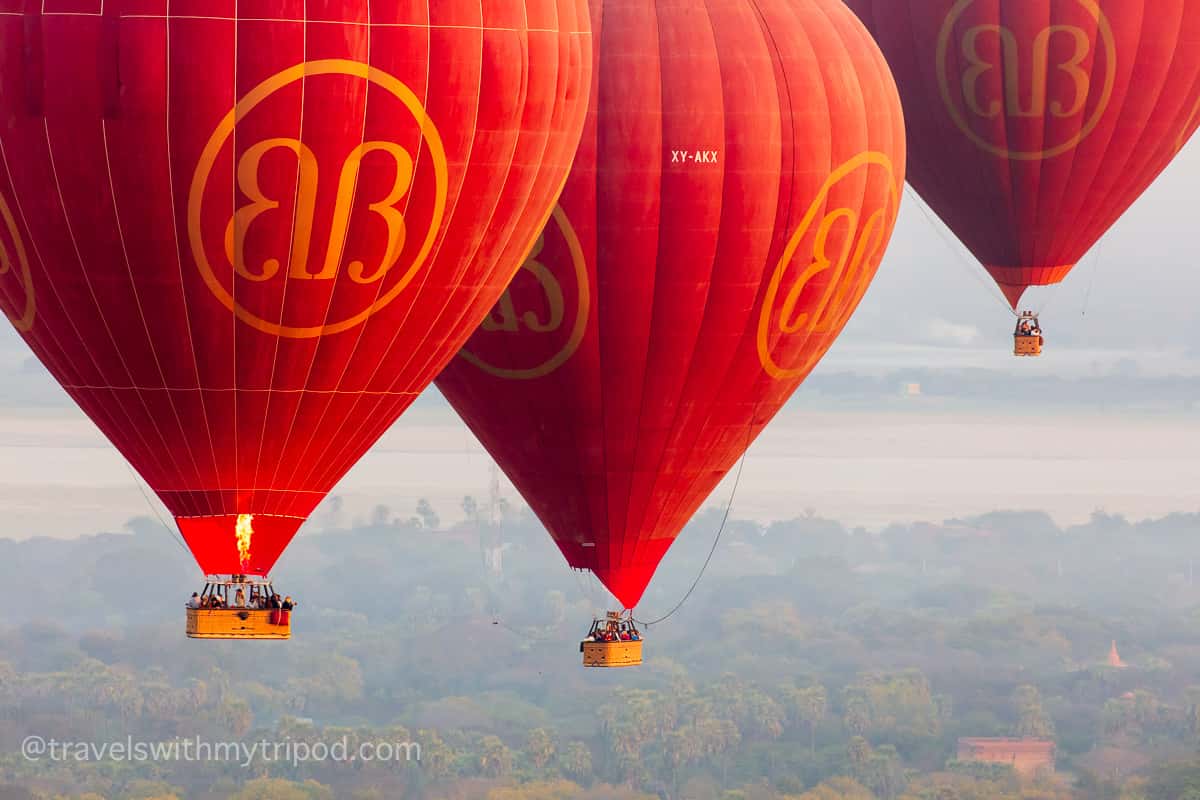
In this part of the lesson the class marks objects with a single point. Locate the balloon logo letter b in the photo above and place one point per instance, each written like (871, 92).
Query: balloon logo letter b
(413, 188)
(1004, 72)
(839, 253)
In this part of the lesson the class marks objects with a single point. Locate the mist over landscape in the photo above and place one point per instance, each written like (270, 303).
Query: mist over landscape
(813, 661)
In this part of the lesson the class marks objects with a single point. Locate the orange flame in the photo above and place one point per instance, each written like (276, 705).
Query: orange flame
(245, 531)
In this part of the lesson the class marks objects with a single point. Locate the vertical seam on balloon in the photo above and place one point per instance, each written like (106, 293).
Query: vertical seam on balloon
(133, 285)
(329, 304)
(74, 393)
(9, 294)
(35, 333)
(856, 78)
(524, 98)
(598, 62)
(262, 437)
(425, 368)
(1069, 242)
(34, 337)
(405, 369)
(99, 308)
(616, 549)
(1190, 114)
(671, 431)
(349, 445)
(1094, 227)
(563, 77)
(563, 81)
(623, 537)
(897, 133)
(943, 175)
(508, 341)
(547, 196)
(1000, 173)
(670, 509)
(503, 246)
(558, 378)
(1016, 171)
(137, 301)
(179, 254)
(548, 162)
(1189, 110)
(827, 120)
(688, 497)
(238, 506)
(1043, 254)
(684, 499)
(851, 301)
(578, 536)
(959, 249)
(988, 173)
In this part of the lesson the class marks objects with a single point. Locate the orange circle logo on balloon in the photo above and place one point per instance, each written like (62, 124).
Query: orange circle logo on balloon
(324, 229)
(1027, 92)
(827, 265)
(16, 280)
(547, 306)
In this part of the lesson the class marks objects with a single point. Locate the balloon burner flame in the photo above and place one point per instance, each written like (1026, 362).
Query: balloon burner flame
(245, 532)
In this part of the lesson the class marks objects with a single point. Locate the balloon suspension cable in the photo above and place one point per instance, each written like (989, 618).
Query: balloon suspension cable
(527, 634)
(584, 581)
(1087, 295)
(716, 541)
(1051, 293)
(955, 247)
(496, 520)
(1055, 289)
(154, 509)
(584, 588)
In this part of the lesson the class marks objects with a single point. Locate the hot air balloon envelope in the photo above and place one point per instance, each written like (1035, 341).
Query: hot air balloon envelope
(1034, 124)
(736, 186)
(245, 235)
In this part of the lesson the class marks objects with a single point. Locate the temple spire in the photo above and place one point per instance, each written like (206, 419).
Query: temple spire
(1114, 658)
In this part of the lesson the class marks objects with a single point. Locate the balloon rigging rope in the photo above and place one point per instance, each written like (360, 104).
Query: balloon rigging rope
(720, 530)
(954, 246)
(586, 589)
(1054, 290)
(493, 604)
(1087, 296)
(174, 534)
(525, 634)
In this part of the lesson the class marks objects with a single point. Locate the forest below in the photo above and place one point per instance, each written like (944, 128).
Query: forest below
(812, 662)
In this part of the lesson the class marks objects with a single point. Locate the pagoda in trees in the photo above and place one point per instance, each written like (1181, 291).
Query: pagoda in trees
(1114, 657)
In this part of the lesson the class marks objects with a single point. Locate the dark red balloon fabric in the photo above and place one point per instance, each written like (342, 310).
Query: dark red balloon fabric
(736, 186)
(244, 235)
(1034, 124)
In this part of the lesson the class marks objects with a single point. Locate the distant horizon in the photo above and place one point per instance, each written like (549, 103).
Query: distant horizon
(915, 461)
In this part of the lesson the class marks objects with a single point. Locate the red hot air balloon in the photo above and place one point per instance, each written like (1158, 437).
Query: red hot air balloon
(1034, 124)
(735, 189)
(245, 235)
